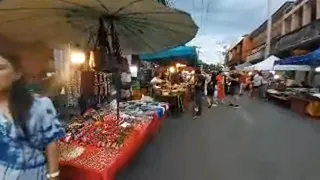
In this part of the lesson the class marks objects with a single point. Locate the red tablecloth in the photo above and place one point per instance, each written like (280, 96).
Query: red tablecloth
(117, 160)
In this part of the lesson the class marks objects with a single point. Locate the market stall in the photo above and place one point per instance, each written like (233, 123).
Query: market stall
(302, 98)
(177, 88)
(175, 95)
(98, 145)
(303, 101)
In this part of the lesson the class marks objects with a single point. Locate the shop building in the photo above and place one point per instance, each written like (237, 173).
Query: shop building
(300, 29)
(259, 35)
(252, 46)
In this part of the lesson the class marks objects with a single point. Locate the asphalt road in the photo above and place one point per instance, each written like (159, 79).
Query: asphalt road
(258, 141)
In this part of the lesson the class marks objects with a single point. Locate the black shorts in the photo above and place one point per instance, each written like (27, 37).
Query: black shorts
(210, 92)
(234, 90)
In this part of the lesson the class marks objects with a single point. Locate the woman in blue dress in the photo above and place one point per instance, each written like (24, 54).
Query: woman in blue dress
(29, 128)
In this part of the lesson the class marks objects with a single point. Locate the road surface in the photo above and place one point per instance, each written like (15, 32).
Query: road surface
(259, 141)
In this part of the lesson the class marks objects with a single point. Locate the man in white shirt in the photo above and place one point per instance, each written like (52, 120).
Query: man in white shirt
(257, 81)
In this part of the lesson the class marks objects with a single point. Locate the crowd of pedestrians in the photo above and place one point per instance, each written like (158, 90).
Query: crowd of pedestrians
(218, 85)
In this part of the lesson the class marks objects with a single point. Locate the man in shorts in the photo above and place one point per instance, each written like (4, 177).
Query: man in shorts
(234, 89)
(256, 83)
(198, 93)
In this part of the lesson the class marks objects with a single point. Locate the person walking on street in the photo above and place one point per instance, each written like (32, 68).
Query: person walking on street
(211, 88)
(264, 86)
(221, 86)
(234, 92)
(199, 84)
(251, 77)
(242, 83)
(256, 83)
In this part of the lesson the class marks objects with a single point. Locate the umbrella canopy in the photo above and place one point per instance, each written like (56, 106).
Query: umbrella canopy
(142, 26)
(181, 53)
(267, 64)
(311, 59)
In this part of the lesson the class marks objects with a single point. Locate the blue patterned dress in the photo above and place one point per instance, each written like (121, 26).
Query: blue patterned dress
(23, 158)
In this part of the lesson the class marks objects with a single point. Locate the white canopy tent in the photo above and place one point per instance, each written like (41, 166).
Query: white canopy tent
(242, 66)
(267, 64)
(291, 68)
(249, 68)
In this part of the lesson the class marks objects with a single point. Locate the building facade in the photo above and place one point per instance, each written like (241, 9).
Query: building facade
(259, 35)
(300, 27)
(295, 26)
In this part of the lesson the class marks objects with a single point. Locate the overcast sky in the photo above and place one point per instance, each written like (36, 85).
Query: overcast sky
(223, 21)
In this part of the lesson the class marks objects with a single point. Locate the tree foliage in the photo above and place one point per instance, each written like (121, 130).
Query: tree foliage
(212, 67)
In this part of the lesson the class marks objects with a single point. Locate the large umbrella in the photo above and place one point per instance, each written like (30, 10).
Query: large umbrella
(137, 26)
(142, 26)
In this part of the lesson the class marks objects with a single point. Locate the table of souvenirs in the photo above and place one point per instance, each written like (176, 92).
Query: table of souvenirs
(98, 145)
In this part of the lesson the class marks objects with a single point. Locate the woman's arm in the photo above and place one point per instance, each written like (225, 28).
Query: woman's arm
(51, 131)
(52, 155)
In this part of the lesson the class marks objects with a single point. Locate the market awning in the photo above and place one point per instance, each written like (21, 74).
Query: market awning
(310, 59)
(242, 66)
(181, 53)
(267, 64)
(292, 68)
(249, 68)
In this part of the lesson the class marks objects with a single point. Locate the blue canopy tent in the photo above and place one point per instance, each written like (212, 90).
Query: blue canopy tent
(185, 54)
(310, 59)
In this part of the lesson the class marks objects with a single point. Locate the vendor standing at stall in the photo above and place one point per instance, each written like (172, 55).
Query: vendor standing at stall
(156, 81)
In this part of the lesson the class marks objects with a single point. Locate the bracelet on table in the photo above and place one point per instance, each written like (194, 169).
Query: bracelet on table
(53, 175)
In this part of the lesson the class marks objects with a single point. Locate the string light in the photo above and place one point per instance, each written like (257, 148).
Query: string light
(172, 69)
(78, 57)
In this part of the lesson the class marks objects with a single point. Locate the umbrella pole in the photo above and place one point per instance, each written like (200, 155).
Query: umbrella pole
(117, 54)
(139, 68)
(111, 49)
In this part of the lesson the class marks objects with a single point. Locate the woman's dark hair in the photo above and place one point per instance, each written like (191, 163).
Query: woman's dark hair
(20, 99)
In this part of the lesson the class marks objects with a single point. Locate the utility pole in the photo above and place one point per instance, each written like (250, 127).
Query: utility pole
(269, 29)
